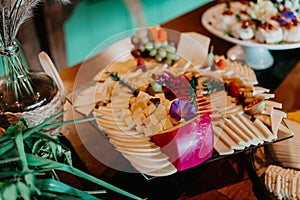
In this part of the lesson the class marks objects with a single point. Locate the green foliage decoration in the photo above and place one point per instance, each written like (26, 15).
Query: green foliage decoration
(30, 160)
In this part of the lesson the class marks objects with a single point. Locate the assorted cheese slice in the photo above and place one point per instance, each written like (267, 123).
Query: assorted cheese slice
(284, 183)
(135, 146)
(238, 132)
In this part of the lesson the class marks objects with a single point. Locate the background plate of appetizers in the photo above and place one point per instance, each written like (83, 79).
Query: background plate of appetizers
(228, 20)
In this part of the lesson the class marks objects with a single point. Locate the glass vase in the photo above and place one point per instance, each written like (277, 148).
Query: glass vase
(30, 95)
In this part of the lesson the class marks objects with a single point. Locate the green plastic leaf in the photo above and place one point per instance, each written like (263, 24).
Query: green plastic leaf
(21, 150)
(11, 130)
(6, 137)
(51, 185)
(6, 146)
(43, 163)
(53, 125)
(51, 146)
(37, 146)
(54, 149)
(52, 195)
(8, 160)
(23, 190)
(30, 180)
(11, 173)
(10, 192)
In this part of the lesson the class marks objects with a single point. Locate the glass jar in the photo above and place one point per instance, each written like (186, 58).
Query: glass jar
(31, 95)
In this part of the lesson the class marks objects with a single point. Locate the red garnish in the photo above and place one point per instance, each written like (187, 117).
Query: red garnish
(245, 2)
(221, 64)
(267, 26)
(140, 64)
(233, 90)
(186, 77)
(243, 12)
(136, 53)
(227, 10)
(275, 17)
(247, 23)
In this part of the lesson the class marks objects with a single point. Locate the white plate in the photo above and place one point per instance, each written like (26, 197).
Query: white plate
(208, 19)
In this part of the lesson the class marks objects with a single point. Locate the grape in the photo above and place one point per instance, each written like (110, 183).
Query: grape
(162, 53)
(144, 40)
(135, 40)
(164, 44)
(171, 49)
(149, 46)
(142, 48)
(171, 56)
(157, 45)
(168, 61)
(153, 52)
(158, 58)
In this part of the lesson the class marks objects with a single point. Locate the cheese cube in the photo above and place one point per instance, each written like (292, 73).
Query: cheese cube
(160, 112)
(138, 116)
(143, 96)
(142, 104)
(150, 108)
(138, 111)
(155, 129)
(134, 106)
(167, 123)
(150, 121)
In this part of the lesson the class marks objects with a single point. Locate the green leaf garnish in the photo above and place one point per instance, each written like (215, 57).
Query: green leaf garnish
(114, 76)
(228, 33)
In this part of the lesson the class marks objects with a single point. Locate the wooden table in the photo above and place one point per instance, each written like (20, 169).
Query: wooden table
(288, 92)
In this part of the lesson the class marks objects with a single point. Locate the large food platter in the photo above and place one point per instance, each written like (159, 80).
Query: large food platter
(209, 19)
(233, 128)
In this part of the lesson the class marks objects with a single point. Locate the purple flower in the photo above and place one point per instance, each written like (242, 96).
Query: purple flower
(182, 109)
(286, 18)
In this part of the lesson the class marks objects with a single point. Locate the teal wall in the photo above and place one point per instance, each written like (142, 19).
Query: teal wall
(94, 22)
